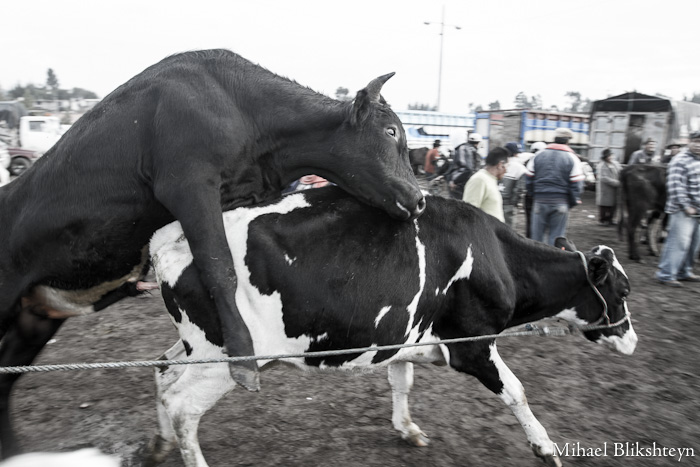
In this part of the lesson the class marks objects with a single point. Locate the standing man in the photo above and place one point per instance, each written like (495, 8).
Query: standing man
(556, 180)
(482, 189)
(682, 206)
(466, 161)
(430, 157)
(513, 183)
(535, 149)
(644, 155)
(674, 148)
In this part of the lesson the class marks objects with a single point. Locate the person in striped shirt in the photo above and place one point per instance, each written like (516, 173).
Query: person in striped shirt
(683, 208)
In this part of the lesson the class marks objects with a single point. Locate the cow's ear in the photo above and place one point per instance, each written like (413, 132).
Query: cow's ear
(365, 97)
(598, 269)
(564, 244)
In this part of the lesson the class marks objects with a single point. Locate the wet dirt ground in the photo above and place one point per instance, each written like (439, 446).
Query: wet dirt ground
(581, 393)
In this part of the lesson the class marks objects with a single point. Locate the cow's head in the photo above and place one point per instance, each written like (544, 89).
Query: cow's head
(370, 156)
(605, 274)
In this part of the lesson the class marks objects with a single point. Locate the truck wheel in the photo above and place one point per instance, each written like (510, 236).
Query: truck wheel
(19, 165)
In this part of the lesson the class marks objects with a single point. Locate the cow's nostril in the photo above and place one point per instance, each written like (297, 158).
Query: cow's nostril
(420, 207)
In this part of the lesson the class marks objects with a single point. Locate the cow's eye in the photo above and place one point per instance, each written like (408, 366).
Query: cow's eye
(391, 132)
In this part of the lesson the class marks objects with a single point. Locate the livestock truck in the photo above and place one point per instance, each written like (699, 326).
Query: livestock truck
(623, 123)
(499, 127)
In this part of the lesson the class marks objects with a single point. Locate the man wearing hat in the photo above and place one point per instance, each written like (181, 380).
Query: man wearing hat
(555, 182)
(683, 207)
(644, 155)
(673, 148)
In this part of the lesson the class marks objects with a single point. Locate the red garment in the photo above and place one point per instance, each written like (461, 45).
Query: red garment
(430, 158)
(559, 147)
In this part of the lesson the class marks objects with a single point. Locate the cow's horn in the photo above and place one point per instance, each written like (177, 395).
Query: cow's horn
(375, 86)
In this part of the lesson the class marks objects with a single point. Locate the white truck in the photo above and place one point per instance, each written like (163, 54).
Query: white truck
(39, 133)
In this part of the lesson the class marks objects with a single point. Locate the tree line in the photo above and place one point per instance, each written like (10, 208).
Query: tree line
(50, 90)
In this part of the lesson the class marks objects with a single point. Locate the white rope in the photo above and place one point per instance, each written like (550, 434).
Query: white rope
(531, 330)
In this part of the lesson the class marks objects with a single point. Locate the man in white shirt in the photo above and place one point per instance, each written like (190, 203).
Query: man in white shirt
(482, 188)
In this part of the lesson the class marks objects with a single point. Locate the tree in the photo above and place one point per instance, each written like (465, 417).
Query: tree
(342, 94)
(521, 101)
(495, 105)
(536, 102)
(578, 104)
(51, 80)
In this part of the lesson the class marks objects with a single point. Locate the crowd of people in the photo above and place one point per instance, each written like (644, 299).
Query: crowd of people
(551, 179)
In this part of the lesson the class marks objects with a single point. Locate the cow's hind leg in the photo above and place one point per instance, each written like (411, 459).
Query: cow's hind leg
(22, 343)
(186, 393)
(484, 362)
(401, 381)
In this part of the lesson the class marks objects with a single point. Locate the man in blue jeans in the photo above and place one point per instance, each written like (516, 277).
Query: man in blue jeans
(682, 206)
(555, 181)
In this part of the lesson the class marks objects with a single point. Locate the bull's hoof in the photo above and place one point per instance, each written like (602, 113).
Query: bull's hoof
(249, 379)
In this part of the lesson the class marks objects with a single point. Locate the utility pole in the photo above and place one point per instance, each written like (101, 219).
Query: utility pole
(442, 37)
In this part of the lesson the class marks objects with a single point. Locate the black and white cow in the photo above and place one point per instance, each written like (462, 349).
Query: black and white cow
(319, 271)
(195, 134)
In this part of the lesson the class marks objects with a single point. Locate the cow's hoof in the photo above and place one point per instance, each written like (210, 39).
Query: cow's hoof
(552, 460)
(155, 452)
(419, 439)
(246, 377)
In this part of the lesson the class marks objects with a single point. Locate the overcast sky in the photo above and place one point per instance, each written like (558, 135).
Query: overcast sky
(547, 47)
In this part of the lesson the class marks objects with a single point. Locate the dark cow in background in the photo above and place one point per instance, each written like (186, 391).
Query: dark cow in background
(193, 135)
(417, 158)
(319, 271)
(643, 189)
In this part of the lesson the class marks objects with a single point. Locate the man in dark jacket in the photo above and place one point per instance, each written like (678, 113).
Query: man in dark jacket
(466, 161)
(557, 178)
(644, 155)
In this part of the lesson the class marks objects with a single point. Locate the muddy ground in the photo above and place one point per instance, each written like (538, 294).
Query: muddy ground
(579, 391)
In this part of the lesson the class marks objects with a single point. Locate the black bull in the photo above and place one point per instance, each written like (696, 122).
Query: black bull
(195, 134)
(643, 197)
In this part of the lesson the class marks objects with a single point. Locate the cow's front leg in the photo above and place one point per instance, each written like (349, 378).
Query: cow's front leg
(401, 381)
(165, 440)
(484, 362)
(198, 208)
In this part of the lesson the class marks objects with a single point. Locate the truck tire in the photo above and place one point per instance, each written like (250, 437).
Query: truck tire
(19, 165)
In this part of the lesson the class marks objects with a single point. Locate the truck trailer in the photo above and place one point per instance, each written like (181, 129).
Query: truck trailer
(499, 127)
(623, 123)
